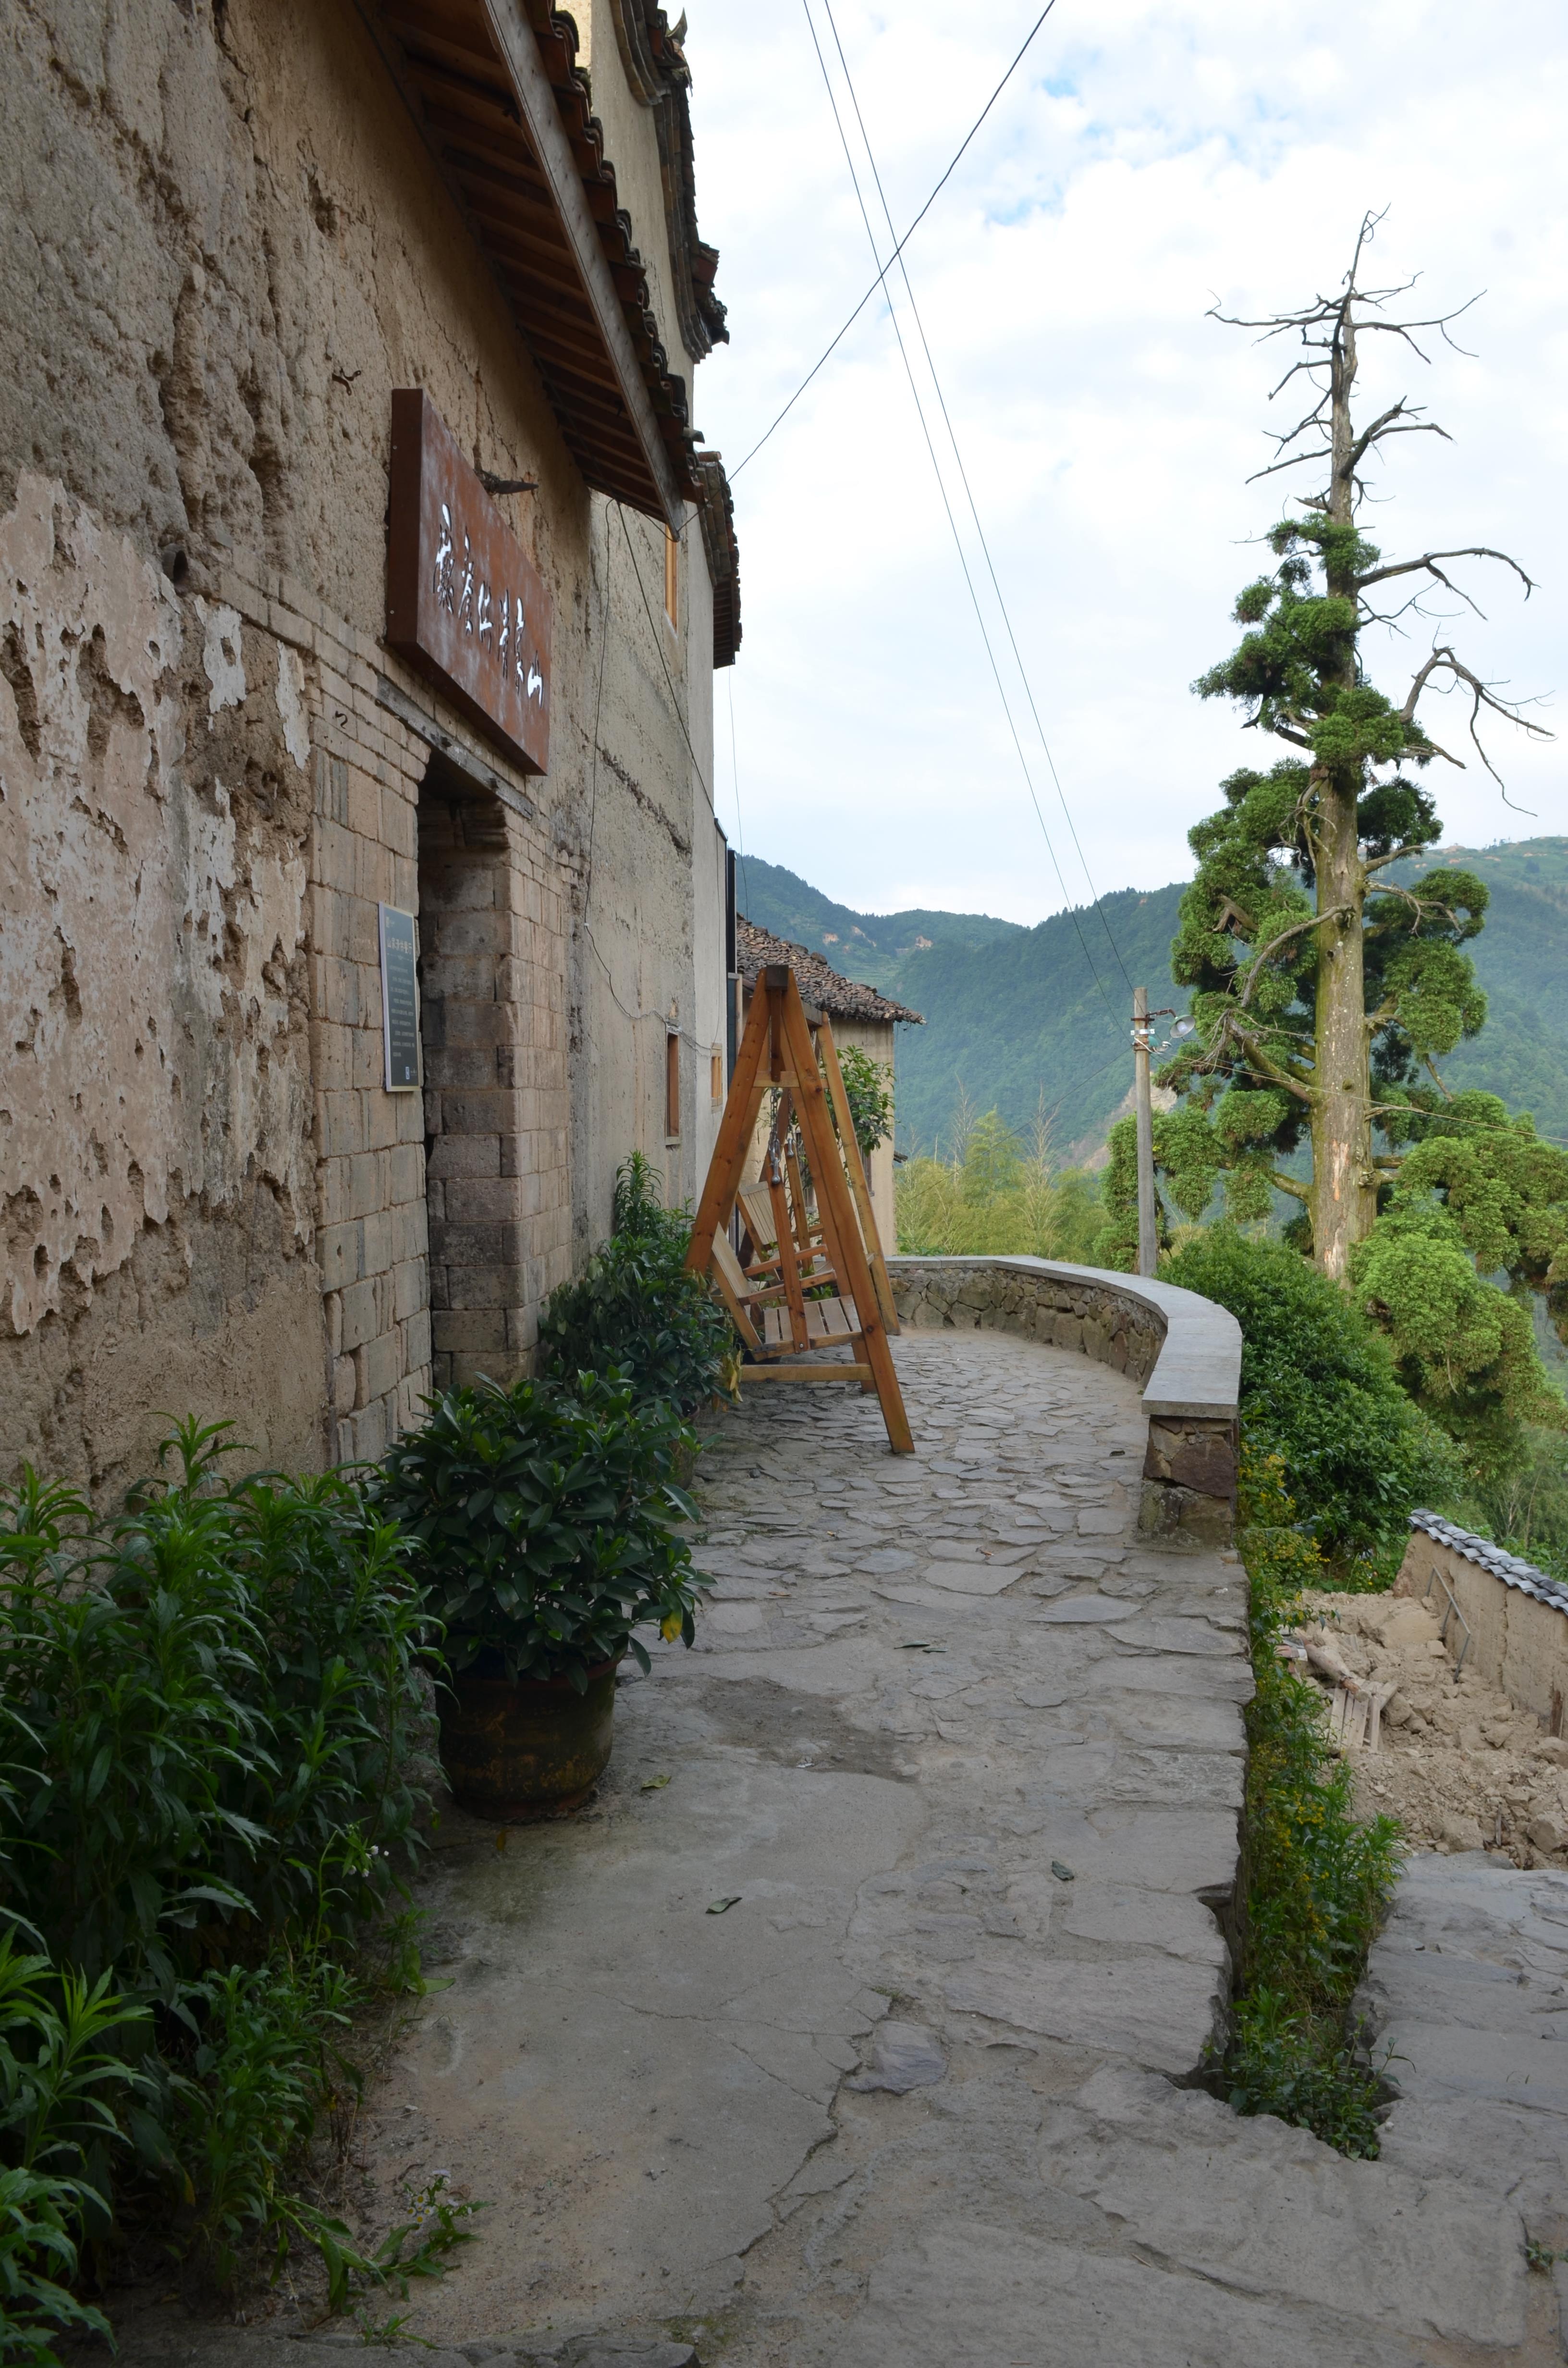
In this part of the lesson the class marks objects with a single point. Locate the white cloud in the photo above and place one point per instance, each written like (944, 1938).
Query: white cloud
(1146, 159)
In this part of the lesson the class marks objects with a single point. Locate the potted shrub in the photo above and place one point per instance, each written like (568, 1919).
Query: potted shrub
(543, 1521)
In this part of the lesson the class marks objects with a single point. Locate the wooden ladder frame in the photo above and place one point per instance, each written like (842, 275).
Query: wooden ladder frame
(778, 1049)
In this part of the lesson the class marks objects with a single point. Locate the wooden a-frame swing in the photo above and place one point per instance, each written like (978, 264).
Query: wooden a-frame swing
(816, 1279)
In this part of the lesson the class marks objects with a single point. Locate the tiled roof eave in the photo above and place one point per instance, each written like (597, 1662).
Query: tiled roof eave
(840, 997)
(1512, 1569)
(566, 264)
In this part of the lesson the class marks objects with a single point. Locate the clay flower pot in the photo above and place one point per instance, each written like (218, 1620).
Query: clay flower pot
(519, 1748)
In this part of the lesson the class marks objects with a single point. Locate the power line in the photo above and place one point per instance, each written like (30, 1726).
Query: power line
(952, 522)
(882, 276)
(969, 492)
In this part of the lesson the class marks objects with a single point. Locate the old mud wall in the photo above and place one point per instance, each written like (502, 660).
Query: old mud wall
(155, 1108)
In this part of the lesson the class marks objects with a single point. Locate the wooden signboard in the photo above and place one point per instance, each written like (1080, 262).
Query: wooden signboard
(465, 604)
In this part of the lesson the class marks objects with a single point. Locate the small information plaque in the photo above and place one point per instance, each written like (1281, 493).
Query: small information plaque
(400, 1000)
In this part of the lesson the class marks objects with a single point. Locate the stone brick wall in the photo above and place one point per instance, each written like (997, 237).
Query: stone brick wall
(490, 1222)
(1190, 1469)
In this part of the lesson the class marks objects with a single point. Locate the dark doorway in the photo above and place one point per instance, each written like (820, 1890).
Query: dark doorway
(468, 1022)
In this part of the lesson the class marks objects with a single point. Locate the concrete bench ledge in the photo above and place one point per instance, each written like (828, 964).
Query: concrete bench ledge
(1184, 1351)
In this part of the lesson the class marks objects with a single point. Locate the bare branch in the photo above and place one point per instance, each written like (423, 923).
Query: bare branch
(1291, 1184)
(1428, 1065)
(1428, 560)
(1482, 696)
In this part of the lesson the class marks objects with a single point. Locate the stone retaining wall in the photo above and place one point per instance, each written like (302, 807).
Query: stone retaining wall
(1185, 1352)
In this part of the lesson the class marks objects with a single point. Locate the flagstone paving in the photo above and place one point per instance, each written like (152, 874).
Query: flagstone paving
(852, 2022)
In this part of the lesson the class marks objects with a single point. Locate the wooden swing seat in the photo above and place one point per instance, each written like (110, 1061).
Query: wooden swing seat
(830, 1251)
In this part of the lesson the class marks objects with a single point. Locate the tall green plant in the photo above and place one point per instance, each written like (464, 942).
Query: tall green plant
(216, 1701)
(868, 1091)
(62, 2085)
(215, 1708)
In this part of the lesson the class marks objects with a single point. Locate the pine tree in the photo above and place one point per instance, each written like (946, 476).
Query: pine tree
(1325, 993)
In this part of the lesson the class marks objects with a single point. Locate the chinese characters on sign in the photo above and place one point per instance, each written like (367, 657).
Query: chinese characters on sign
(465, 603)
(400, 1000)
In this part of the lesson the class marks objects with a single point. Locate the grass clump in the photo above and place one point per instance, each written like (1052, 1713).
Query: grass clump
(1315, 1881)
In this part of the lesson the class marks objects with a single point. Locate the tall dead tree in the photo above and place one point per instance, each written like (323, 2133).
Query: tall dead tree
(1325, 995)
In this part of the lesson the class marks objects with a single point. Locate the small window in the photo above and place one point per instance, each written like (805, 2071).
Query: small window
(672, 1088)
(716, 1077)
(671, 578)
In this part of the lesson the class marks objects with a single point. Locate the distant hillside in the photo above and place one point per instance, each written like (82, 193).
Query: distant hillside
(1014, 1011)
(781, 900)
(1008, 1010)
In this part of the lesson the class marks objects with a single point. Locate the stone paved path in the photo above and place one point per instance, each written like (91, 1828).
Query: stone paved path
(1467, 1987)
(965, 1760)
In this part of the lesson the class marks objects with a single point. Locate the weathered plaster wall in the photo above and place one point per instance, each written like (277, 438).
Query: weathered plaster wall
(637, 953)
(229, 247)
(153, 813)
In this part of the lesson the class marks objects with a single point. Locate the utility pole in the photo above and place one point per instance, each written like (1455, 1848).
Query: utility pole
(1148, 1238)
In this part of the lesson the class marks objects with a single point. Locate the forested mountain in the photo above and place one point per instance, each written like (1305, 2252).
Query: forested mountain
(1012, 1011)
(779, 900)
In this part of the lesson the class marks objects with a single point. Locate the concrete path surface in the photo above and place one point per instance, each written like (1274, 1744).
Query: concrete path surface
(849, 2027)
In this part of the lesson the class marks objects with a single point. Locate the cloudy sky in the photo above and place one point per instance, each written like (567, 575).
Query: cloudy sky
(1148, 158)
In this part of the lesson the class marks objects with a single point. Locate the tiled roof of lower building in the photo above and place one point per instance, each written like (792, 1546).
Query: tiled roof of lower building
(1512, 1569)
(840, 997)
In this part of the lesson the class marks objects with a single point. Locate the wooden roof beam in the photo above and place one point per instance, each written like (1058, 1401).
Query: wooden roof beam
(519, 50)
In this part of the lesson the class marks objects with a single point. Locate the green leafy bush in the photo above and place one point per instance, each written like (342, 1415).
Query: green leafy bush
(635, 1310)
(543, 1522)
(868, 1089)
(214, 1705)
(1320, 1389)
(1316, 1881)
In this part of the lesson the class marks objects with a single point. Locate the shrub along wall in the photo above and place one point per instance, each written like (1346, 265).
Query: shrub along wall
(215, 1716)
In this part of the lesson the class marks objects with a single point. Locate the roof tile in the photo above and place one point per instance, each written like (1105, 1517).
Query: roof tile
(841, 998)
